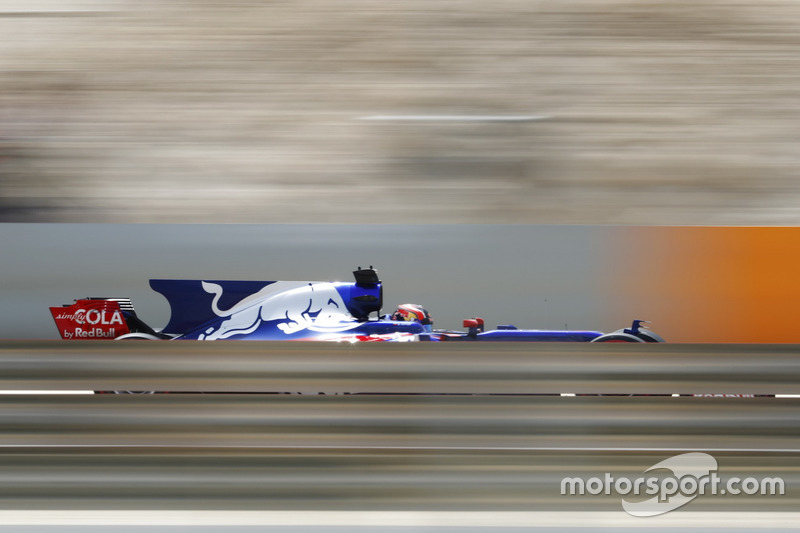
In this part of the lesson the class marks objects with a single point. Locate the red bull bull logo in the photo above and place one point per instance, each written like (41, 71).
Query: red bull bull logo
(289, 307)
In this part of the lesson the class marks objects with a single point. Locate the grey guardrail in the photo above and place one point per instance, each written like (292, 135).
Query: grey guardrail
(445, 368)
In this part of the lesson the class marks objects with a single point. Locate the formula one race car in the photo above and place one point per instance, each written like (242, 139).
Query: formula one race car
(290, 310)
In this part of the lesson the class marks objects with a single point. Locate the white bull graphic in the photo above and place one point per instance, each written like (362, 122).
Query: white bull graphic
(315, 306)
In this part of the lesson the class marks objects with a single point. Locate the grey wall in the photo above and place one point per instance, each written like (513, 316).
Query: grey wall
(533, 276)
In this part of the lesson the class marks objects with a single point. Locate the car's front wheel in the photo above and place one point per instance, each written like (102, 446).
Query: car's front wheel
(617, 337)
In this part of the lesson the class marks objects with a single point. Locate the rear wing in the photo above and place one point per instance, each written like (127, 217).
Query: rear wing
(93, 318)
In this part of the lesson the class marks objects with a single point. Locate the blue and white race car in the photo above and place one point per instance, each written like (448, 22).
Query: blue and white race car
(293, 310)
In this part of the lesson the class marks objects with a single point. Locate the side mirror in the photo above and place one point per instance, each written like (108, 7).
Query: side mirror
(475, 325)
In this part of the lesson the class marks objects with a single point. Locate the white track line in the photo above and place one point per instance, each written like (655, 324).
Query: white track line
(50, 392)
(415, 519)
(88, 392)
(334, 448)
(455, 118)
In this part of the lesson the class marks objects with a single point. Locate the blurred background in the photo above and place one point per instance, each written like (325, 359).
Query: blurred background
(514, 111)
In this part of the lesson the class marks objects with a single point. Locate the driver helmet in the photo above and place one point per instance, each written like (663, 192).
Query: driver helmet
(413, 313)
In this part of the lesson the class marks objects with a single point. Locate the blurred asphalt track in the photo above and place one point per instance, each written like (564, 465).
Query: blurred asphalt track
(387, 463)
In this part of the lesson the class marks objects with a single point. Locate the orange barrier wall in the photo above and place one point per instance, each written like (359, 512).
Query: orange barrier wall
(710, 284)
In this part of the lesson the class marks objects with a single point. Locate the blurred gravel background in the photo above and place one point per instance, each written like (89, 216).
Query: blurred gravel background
(670, 112)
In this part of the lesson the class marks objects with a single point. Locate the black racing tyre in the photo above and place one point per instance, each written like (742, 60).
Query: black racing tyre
(648, 336)
(137, 337)
(618, 337)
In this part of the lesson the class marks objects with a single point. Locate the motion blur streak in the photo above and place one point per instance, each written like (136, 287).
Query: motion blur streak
(361, 453)
(659, 112)
(436, 460)
(388, 424)
(713, 284)
(456, 368)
